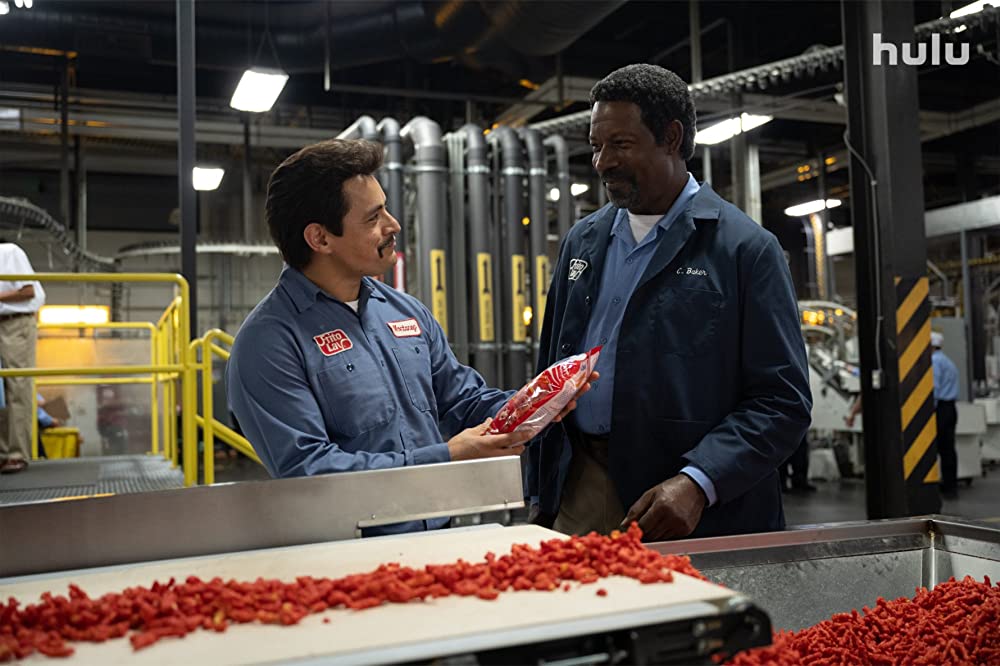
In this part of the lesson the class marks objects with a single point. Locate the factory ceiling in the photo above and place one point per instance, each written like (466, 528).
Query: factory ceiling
(477, 60)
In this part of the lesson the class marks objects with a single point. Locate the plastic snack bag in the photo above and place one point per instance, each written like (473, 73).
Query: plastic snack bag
(540, 400)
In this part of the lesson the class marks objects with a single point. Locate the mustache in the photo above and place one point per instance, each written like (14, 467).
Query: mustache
(617, 174)
(386, 244)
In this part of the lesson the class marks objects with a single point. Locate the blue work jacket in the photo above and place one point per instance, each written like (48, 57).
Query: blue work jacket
(319, 388)
(710, 368)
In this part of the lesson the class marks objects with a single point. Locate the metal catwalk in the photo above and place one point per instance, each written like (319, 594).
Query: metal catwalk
(75, 477)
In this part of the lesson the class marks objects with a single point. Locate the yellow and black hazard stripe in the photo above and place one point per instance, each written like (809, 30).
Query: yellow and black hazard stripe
(916, 382)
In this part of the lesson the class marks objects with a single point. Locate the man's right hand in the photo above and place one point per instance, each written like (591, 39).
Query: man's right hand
(474, 443)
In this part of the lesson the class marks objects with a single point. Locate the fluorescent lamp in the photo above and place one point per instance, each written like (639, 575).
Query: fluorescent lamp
(27, 4)
(258, 89)
(19, 3)
(554, 194)
(4, 8)
(727, 129)
(973, 8)
(810, 207)
(84, 315)
(576, 189)
(207, 178)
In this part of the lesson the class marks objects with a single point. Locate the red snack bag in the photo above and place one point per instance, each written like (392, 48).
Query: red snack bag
(540, 400)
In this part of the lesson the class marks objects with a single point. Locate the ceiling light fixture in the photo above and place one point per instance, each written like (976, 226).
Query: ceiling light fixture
(259, 87)
(727, 129)
(810, 207)
(207, 178)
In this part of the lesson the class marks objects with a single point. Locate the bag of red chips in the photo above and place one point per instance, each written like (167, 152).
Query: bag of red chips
(540, 400)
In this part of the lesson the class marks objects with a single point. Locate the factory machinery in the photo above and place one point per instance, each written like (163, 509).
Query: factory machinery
(297, 527)
(830, 332)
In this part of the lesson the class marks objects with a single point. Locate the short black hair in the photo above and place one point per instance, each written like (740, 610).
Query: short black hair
(309, 187)
(661, 95)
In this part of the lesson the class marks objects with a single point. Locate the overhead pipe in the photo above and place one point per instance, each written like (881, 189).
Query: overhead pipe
(567, 207)
(513, 282)
(483, 298)
(432, 208)
(362, 128)
(388, 131)
(538, 228)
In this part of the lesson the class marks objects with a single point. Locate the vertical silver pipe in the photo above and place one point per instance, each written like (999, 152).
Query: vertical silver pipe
(482, 254)
(388, 132)
(248, 227)
(965, 392)
(432, 210)
(538, 230)
(458, 301)
(514, 273)
(80, 173)
(185, 153)
(566, 212)
(694, 29)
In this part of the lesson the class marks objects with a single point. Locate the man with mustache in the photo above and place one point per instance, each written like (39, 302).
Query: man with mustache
(335, 372)
(704, 389)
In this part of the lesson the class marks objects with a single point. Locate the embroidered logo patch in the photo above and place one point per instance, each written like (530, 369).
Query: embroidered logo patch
(406, 328)
(333, 342)
(576, 268)
(688, 270)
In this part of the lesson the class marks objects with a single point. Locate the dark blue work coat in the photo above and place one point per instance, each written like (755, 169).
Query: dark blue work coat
(710, 371)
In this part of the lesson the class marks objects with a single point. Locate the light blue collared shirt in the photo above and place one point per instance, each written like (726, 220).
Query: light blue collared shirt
(624, 266)
(945, 377)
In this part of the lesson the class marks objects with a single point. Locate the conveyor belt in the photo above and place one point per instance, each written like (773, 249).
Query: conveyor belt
(75, 477)
(413, 631)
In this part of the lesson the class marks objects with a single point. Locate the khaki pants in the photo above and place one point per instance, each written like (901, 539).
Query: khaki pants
(18, 338)
(589, 500)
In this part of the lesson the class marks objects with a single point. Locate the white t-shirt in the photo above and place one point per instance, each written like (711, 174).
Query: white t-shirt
(13, 260)
(352, 304)
(641, 224)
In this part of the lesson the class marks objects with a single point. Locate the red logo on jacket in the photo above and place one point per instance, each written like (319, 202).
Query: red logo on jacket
(333, 342)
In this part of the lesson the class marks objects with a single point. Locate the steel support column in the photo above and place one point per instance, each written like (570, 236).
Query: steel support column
(186, 155)
(901, 468)
(249, 233)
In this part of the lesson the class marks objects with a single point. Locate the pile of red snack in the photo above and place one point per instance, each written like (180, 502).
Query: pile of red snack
(176, 609)
(958, 622)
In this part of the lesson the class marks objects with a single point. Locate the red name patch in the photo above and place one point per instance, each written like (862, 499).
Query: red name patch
(407, 328)
(333, 342)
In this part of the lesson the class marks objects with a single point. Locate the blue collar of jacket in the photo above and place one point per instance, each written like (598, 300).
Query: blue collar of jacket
(706, 205)
(304, 292)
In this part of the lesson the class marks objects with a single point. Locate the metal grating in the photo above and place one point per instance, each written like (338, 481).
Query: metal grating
(116, 474)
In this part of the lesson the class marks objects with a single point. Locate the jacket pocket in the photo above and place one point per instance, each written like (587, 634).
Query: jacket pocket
(354, 394)
(415, 365)
(686, 321)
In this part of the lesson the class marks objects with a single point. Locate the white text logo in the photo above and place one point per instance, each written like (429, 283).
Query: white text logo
(692, 271)
(576, 268)
(892, 52)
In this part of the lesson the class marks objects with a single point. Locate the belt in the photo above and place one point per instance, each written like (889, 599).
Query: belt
(15, 315)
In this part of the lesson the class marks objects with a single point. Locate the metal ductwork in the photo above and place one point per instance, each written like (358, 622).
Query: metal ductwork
(388, 134)
(425, 31)
(514, 272)
(538, 227)
(431, 174)
(362, 128)
(567, 209)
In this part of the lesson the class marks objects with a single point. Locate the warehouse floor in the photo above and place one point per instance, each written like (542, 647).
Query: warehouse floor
(836, 501)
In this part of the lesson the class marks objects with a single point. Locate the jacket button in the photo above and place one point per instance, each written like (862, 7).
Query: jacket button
(587, 300)
(565, 347)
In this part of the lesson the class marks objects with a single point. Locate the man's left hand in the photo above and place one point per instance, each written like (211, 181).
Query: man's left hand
(572, 403)
(670, 510)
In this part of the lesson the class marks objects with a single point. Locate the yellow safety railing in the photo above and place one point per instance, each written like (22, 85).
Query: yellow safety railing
(210, 426)
(170, 368)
